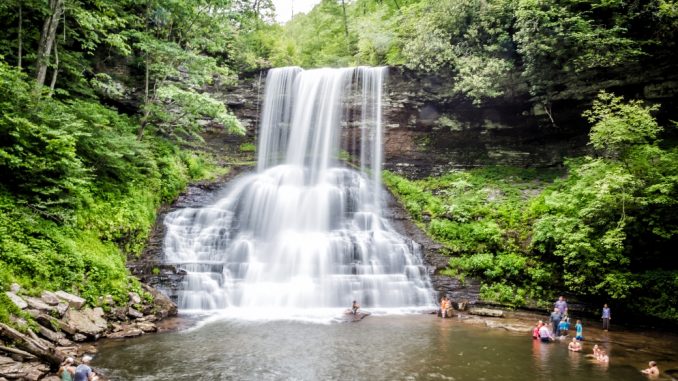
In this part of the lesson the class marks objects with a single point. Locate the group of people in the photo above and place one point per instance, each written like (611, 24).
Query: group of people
(69, 372)
(560, 325)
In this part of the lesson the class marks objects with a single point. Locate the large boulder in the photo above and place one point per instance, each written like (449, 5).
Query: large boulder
(163, 306)
(90, 322)
(73, 301)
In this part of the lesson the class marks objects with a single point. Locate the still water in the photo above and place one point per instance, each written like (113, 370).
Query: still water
(410, 347)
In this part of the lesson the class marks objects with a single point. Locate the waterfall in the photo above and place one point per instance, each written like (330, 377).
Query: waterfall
(304, 232)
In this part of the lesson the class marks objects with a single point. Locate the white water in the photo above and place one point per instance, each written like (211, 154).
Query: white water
(303, 236)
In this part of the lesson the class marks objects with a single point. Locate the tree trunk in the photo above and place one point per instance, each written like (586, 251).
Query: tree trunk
(21, 29)
(348, 44)
(56, 67)
(47, 38)
(144, 119)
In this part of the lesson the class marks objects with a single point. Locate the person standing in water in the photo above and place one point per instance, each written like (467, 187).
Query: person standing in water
(561, 305)
(607, 316)
(355, 307)
(555, 320)
(580, 331)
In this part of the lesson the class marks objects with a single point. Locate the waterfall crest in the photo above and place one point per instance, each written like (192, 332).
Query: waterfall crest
(305, 231)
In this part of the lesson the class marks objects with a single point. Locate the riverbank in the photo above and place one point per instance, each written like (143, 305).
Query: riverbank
(61, 325)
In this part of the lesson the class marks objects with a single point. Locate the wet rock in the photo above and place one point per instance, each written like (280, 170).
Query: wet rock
(88, 321)
(126, 332)
(51, 378)
(350, 317)
(516, 327)
(163, 306)
(73, 301)
(49, 298)
(486, 312)
(131, 312)
(29, 371)
(79, 337)
(16, 299)
(147, 326)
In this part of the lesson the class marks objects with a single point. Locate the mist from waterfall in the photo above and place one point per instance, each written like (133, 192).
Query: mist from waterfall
(304, 235)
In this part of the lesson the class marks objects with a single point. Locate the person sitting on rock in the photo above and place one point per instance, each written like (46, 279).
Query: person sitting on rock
(444, 306)
(83, 372)
(355, 307)
(67, 370)
(574, 346)
(653, 370)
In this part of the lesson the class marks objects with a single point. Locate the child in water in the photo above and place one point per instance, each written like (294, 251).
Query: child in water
(564, 326)
(535, 331)
(580, 331)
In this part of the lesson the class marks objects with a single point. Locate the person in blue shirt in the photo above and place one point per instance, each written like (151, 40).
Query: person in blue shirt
(580, 331)
(83, 372)
(607, 316)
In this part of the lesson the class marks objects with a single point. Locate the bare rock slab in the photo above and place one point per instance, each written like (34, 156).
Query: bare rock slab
(486, 312)
(73, 301)
(17, 300)
(90, 322)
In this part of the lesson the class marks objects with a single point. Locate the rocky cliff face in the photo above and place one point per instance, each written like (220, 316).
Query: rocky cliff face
(427, 131)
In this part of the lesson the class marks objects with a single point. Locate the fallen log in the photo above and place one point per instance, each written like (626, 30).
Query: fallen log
(15, 351)
(28, 344)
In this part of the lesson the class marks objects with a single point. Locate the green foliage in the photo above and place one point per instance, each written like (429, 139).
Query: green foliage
(618, 126)
(248, 147)
(548, 50)
(606, 231)
(79, 191)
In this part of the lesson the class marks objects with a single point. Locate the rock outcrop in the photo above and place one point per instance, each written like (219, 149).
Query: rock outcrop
(62, 321)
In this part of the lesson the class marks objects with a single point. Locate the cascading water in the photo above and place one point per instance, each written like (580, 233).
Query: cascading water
(303, 235)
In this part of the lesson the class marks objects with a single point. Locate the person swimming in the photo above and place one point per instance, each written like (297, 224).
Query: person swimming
(574, 345)
(653, 370)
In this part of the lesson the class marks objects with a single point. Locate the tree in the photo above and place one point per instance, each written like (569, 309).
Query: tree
(47, 38)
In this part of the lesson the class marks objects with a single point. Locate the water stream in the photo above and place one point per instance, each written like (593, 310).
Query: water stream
(303, 236)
